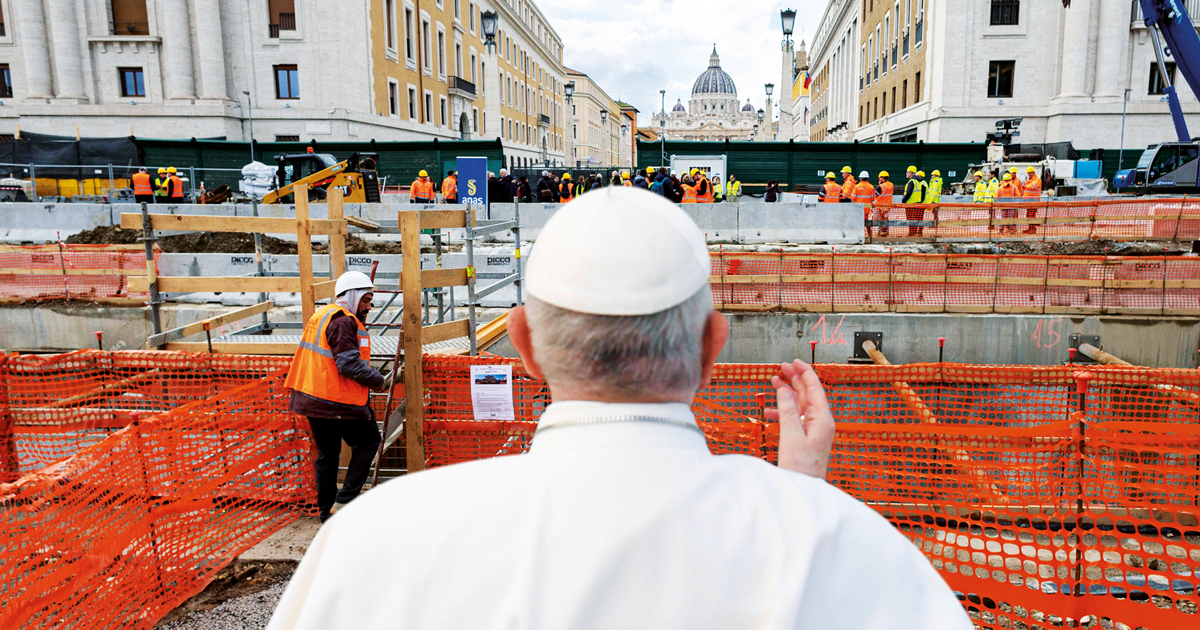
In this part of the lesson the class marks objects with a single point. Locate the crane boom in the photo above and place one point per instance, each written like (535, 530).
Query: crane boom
(1170, 19)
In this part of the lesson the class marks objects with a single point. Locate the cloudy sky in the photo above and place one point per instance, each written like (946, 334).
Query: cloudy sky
(633, 49)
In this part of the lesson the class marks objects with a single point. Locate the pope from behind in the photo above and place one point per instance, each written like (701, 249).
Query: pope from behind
(619, 516)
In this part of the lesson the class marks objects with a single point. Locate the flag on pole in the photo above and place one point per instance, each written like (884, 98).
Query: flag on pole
(807, 80)
(806, 115)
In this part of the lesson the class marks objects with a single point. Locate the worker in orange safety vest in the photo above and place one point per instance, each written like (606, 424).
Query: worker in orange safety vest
(1032, 189)
(330, 378)
(1009, 191)
(566, 190)
(831, 192)
(690, 191)
(174, 185)
(450, 188)
(848, 183)
(884, 198)
(143, 189)
(863, 193)
(421, 190)
(704, 188)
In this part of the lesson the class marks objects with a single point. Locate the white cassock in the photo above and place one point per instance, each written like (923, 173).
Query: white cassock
(613, 520)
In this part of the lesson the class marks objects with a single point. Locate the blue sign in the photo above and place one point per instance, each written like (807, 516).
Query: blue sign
(472, 181)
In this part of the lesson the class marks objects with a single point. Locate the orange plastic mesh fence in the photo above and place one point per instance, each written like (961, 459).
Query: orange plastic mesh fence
(1045, 496)
(1142, 219)
(956, 283)
(71, 272)
(138, 520)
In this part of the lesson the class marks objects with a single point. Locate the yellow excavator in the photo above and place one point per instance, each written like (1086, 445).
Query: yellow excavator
(356, 176)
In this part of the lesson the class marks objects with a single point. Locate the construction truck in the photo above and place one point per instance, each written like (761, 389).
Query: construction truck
(356, 176)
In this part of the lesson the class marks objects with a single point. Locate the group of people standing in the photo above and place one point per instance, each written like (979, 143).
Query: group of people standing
(1009, 187)
(166, 188)
(917, 191)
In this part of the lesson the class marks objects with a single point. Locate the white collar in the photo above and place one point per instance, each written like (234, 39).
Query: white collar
(581, 416)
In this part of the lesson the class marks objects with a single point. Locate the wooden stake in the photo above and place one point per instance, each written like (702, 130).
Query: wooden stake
(308, 300)
(337, 242)
(414, 395)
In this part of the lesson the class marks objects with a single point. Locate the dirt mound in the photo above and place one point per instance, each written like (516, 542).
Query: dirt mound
(221, 242)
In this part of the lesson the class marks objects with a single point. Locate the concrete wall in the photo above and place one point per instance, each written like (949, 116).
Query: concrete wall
(744, 222)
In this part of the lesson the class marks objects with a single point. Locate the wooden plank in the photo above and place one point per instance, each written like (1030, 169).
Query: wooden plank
(1065, 310)
(1019, 281)
(278, 348)
(1133, 284)
(242, 225)
(913, 277)
(917, 308)
(807, 308)
(443, 278)
(963, 223)
(449, 330)
(216, 284)
(437, 219)
(414, 393)
(1182, 284)
(106, 301)
(337, 242)
(862, 277)
(308, 299)
(220, 320)
(32, 271)
(1069, 282)
(968, 308)
(362, 223)
(860, 308)
(324, 290)
(33, 249)
(758, 308)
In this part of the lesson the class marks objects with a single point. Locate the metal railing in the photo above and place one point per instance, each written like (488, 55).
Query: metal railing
(462, 85)
(1006, 12)
(130, 27)
(895, 57)
(918, 32)
(287, 21)
(107, 183)
(905, 42)
(545, 119)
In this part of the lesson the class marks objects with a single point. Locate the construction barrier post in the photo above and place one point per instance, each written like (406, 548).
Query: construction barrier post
(414, 395)
(151, 271)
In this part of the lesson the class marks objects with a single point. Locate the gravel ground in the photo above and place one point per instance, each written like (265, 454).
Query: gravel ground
(249, 612)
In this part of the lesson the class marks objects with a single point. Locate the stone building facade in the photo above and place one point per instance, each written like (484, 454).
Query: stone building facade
(712, 113)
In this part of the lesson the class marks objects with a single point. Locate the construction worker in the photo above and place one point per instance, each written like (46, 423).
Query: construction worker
(935, 187)
(831, 192)
(450, 188)
(848, 183)
(625, 180)
(330, 378)
(690, 191)
(733, 189)
(174, 185)
(1032, 189)
(980, 188)
(143, 191)
(421, 190)
(566, 191)
(863, 193)
(160, 186)
(1008, 191)
(993, 188)
(884, 198)
(704, 189)
(914, 195)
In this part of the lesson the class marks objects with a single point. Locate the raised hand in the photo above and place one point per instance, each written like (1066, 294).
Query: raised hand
(805, 421)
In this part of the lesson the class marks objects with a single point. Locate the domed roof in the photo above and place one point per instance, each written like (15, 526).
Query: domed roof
(748, 107)
(678, 107)
(714, 80)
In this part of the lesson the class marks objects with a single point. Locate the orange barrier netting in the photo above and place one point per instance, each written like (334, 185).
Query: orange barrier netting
(72, 272)
(1045, 496)
(1125, 218)
(137, 519)
(956, 283)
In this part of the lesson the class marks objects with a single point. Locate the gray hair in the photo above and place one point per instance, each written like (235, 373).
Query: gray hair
(641, 355)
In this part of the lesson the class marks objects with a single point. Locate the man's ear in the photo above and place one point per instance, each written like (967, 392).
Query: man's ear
(518, 334)
(716, 333)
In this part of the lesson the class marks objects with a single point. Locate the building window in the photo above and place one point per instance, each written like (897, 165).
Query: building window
(428, 107)
(903, 94)
(1006, 12)
(281, 16)
(393, 98)
(287, 82)
(6, 90)
(442, 111)
(457, 11)
(1000, 79)
(471, 16)
(475, 119)
(458, 68)
(128, 17)
(884, 111)
(474, 62)
(917, 88)
(133, 82)
(408, 36)
(441, 54)
(389, 23)
(279, 138)
(1157, 85)
(412, 103)
(426, 54)
(893, 100)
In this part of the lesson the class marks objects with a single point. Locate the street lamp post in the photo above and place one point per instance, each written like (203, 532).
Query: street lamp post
(604, 133)
(488, 21)
(787, 75)
(662, 129)
(250, 116)
(1121, 151)
(569, 91)
(770, 87)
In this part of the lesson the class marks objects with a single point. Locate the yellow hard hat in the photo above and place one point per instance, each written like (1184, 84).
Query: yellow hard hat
(624, 175)
(920, 173)
(936, 173)
(1007, 176)
(171, 169)
(829, 175)
(566, 176)
(693, 172)
(422, 174)
(1012, 169)
(912, 169)
(1031, 170)
(162, 171)
(884, 174)
(978, 173)
(846, 169)
(649, 170)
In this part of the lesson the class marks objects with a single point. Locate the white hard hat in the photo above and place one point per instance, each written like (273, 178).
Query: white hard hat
(864, 175)
(660, 265)
(352, 280)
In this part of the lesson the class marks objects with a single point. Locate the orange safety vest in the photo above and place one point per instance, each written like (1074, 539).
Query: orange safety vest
(706, 197)
(863, 192)
(450, 188)
(564, 192)
(421, 189)
(176, 187)
(833, 192)
(885, 198)
(1008, 190)
(314, 371)
(141, 184)
(626, 183)
(689, 194)
(1033, 186)
(848, 187)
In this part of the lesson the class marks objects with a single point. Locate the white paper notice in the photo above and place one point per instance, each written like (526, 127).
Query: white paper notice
(492, 392)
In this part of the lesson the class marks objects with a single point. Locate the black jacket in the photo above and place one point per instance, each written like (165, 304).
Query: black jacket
(546, 190)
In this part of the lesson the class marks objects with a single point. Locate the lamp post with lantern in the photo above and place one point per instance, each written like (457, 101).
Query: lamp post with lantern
(787, 18)
(488, 20)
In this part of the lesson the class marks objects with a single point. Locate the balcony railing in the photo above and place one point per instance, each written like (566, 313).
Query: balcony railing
(1006, 12)
(545, 119)
(918, 32)
(130, 27)
(287, 22)
(895, 57)
(905, 44)
(462, 85)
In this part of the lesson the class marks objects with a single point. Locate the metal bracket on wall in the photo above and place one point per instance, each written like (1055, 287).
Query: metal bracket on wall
(1076, 339)
(860, 355)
